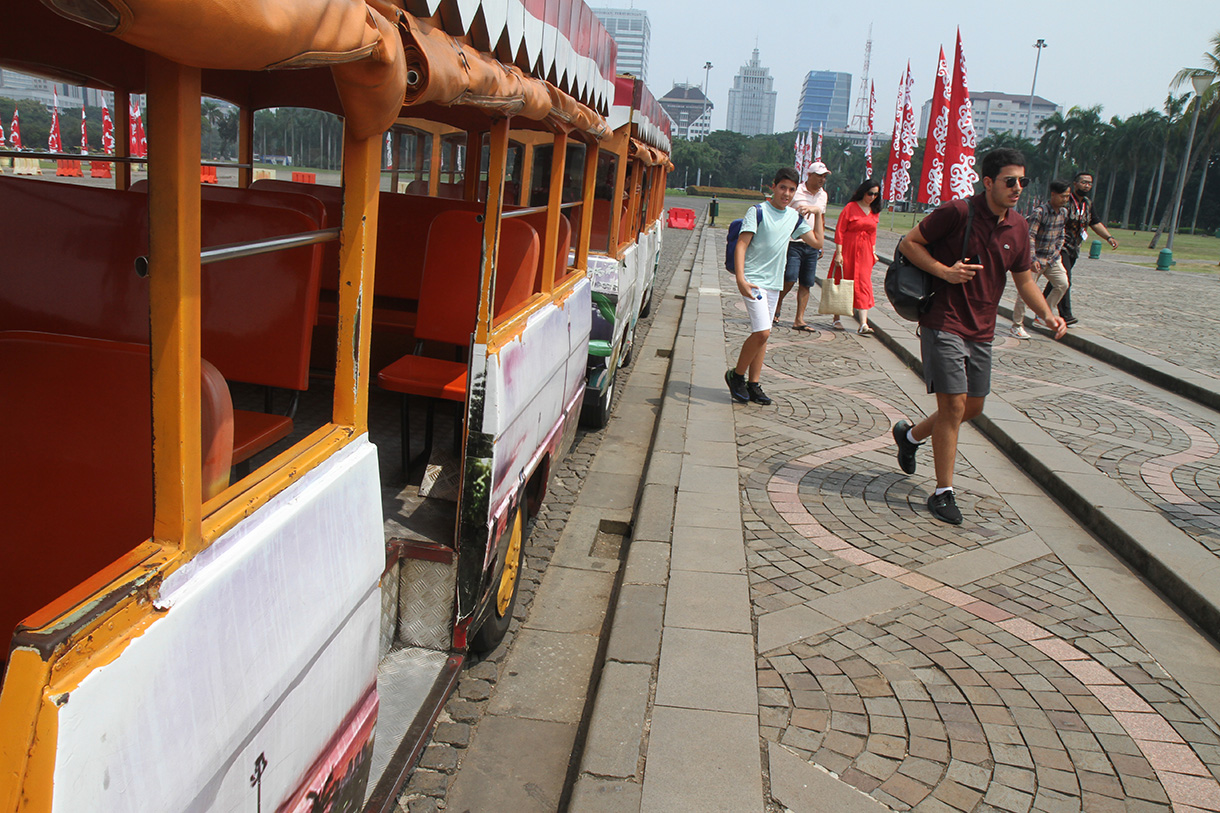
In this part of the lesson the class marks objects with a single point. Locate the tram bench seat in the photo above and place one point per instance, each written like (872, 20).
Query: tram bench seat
(402, 234)
(257, 313)
(76, 473)
(448, 304)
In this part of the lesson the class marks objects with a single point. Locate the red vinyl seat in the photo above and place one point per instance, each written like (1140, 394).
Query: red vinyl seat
(448, 305)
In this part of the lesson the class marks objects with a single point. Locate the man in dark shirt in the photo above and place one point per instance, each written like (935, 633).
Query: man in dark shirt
(1080, 215)
(956, 331)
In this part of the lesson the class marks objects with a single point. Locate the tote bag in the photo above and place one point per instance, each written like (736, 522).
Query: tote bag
(838, 294)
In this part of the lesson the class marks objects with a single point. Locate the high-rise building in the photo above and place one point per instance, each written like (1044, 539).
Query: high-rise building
(751, 100)
(632, 33)
(1001, 113)
(825, 101)
(690, 110)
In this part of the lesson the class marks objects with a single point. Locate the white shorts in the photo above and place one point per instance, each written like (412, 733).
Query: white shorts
(761, 311)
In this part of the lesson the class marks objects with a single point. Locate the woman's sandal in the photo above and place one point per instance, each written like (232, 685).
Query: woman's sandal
(837, 325)
(865, 330)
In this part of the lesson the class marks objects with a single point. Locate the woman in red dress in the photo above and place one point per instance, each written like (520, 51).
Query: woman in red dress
(856, 247)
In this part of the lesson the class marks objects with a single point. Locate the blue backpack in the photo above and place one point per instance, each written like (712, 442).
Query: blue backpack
(730, 241)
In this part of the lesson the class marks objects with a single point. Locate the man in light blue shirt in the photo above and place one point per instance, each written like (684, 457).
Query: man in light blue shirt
(762, 249)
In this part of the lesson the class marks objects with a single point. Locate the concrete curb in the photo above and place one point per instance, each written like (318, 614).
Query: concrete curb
(1177, 565)
(610, 776)
(1168, 376)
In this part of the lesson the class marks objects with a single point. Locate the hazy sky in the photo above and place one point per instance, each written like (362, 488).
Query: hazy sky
(1118, 54)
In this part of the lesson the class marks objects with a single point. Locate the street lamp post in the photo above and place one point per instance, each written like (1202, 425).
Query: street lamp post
(707, 70)
(1200, 83)
(1029, 116)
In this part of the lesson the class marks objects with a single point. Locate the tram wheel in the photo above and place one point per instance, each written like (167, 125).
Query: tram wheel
(597, 414)
(491, 632)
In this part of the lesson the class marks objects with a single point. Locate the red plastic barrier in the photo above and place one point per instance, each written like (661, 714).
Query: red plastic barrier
(99, 169)
(681, 219)
(305, 177)
(208, 175)
(70, 169)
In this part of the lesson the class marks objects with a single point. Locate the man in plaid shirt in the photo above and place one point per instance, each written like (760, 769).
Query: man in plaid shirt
(1046, 235)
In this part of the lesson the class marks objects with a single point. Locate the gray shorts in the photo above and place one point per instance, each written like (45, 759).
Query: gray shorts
(953, 365)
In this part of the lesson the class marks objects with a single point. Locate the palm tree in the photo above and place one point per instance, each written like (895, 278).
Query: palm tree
(1173, 107)
(1134, 145)
(1210, 70)
(1054, 134)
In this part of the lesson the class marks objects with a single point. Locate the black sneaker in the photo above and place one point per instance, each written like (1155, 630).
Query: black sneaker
(906, 449)
(756, 393)
(944, 507)
(737, 386)
(1070, 320)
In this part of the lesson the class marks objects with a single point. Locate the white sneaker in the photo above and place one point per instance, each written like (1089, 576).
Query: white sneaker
(1019, 332)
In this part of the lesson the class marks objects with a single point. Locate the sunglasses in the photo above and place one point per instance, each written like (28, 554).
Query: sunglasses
(874, 193)
(1013, 180)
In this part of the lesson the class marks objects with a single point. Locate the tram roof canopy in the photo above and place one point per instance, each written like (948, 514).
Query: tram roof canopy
(381, 56)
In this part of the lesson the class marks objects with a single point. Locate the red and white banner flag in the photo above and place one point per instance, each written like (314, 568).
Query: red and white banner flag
(139, 142)
(907, 139)
(3, 143)
(798, 149)
(107, 129)
(817, 153)
(84, 133)
(938, 131)
(868, 142)
(14, 133)
(54, 143)
(891, 164)
(959, 176)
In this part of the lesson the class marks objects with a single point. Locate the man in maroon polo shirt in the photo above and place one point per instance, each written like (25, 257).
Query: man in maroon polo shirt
(956, 332)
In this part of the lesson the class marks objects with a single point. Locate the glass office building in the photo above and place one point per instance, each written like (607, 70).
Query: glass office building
(825, 101)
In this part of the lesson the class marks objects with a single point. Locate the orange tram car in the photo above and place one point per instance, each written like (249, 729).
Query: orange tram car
(274, 443)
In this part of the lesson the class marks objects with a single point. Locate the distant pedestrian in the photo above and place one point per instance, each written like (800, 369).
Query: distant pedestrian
(759, 260)
(956, 331)
(802, 264)
(856, 247)
(1046, 239)
(1080, 215)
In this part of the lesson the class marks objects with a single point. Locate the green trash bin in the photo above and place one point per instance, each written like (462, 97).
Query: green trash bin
(1095, 250)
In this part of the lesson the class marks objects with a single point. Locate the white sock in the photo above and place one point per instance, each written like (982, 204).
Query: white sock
(940, 491)
(911, 438)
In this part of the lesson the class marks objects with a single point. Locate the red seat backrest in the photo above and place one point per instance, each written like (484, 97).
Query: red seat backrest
(449, 293)
(303, 202)
(76, 479)
(562, 248)
(599, 231)
(72, 252)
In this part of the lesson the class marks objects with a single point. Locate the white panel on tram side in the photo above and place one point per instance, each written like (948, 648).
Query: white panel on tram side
(580, 305)
(268, 644)
(527, 393)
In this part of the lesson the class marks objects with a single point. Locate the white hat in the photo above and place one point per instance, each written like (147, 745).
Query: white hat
(818, 168)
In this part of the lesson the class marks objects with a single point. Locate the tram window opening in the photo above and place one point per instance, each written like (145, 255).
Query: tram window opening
(295, 143)
(414, 153)
(603, 201)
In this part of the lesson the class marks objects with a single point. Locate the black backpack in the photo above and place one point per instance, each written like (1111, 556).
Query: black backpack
(730, 240)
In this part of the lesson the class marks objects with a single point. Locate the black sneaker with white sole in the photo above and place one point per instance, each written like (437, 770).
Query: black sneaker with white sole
(756, 393)
(906, 449)
(944, 507)
(737, 386)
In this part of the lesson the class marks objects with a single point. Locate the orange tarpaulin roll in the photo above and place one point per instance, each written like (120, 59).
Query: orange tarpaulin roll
(356, 39)
(444, 71)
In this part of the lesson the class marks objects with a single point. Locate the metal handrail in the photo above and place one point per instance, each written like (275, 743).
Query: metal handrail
(535, 209)
(234, 251)
(72, 156)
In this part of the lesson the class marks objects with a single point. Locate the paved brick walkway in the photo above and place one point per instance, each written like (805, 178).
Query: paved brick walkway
(1012, 663)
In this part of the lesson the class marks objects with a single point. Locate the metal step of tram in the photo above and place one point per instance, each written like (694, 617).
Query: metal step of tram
(418, 670)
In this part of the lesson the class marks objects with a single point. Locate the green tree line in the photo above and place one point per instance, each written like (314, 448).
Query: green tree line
(1137, 161)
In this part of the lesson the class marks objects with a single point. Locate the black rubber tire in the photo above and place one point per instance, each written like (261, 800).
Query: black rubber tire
(597, 415)
(500, 615)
